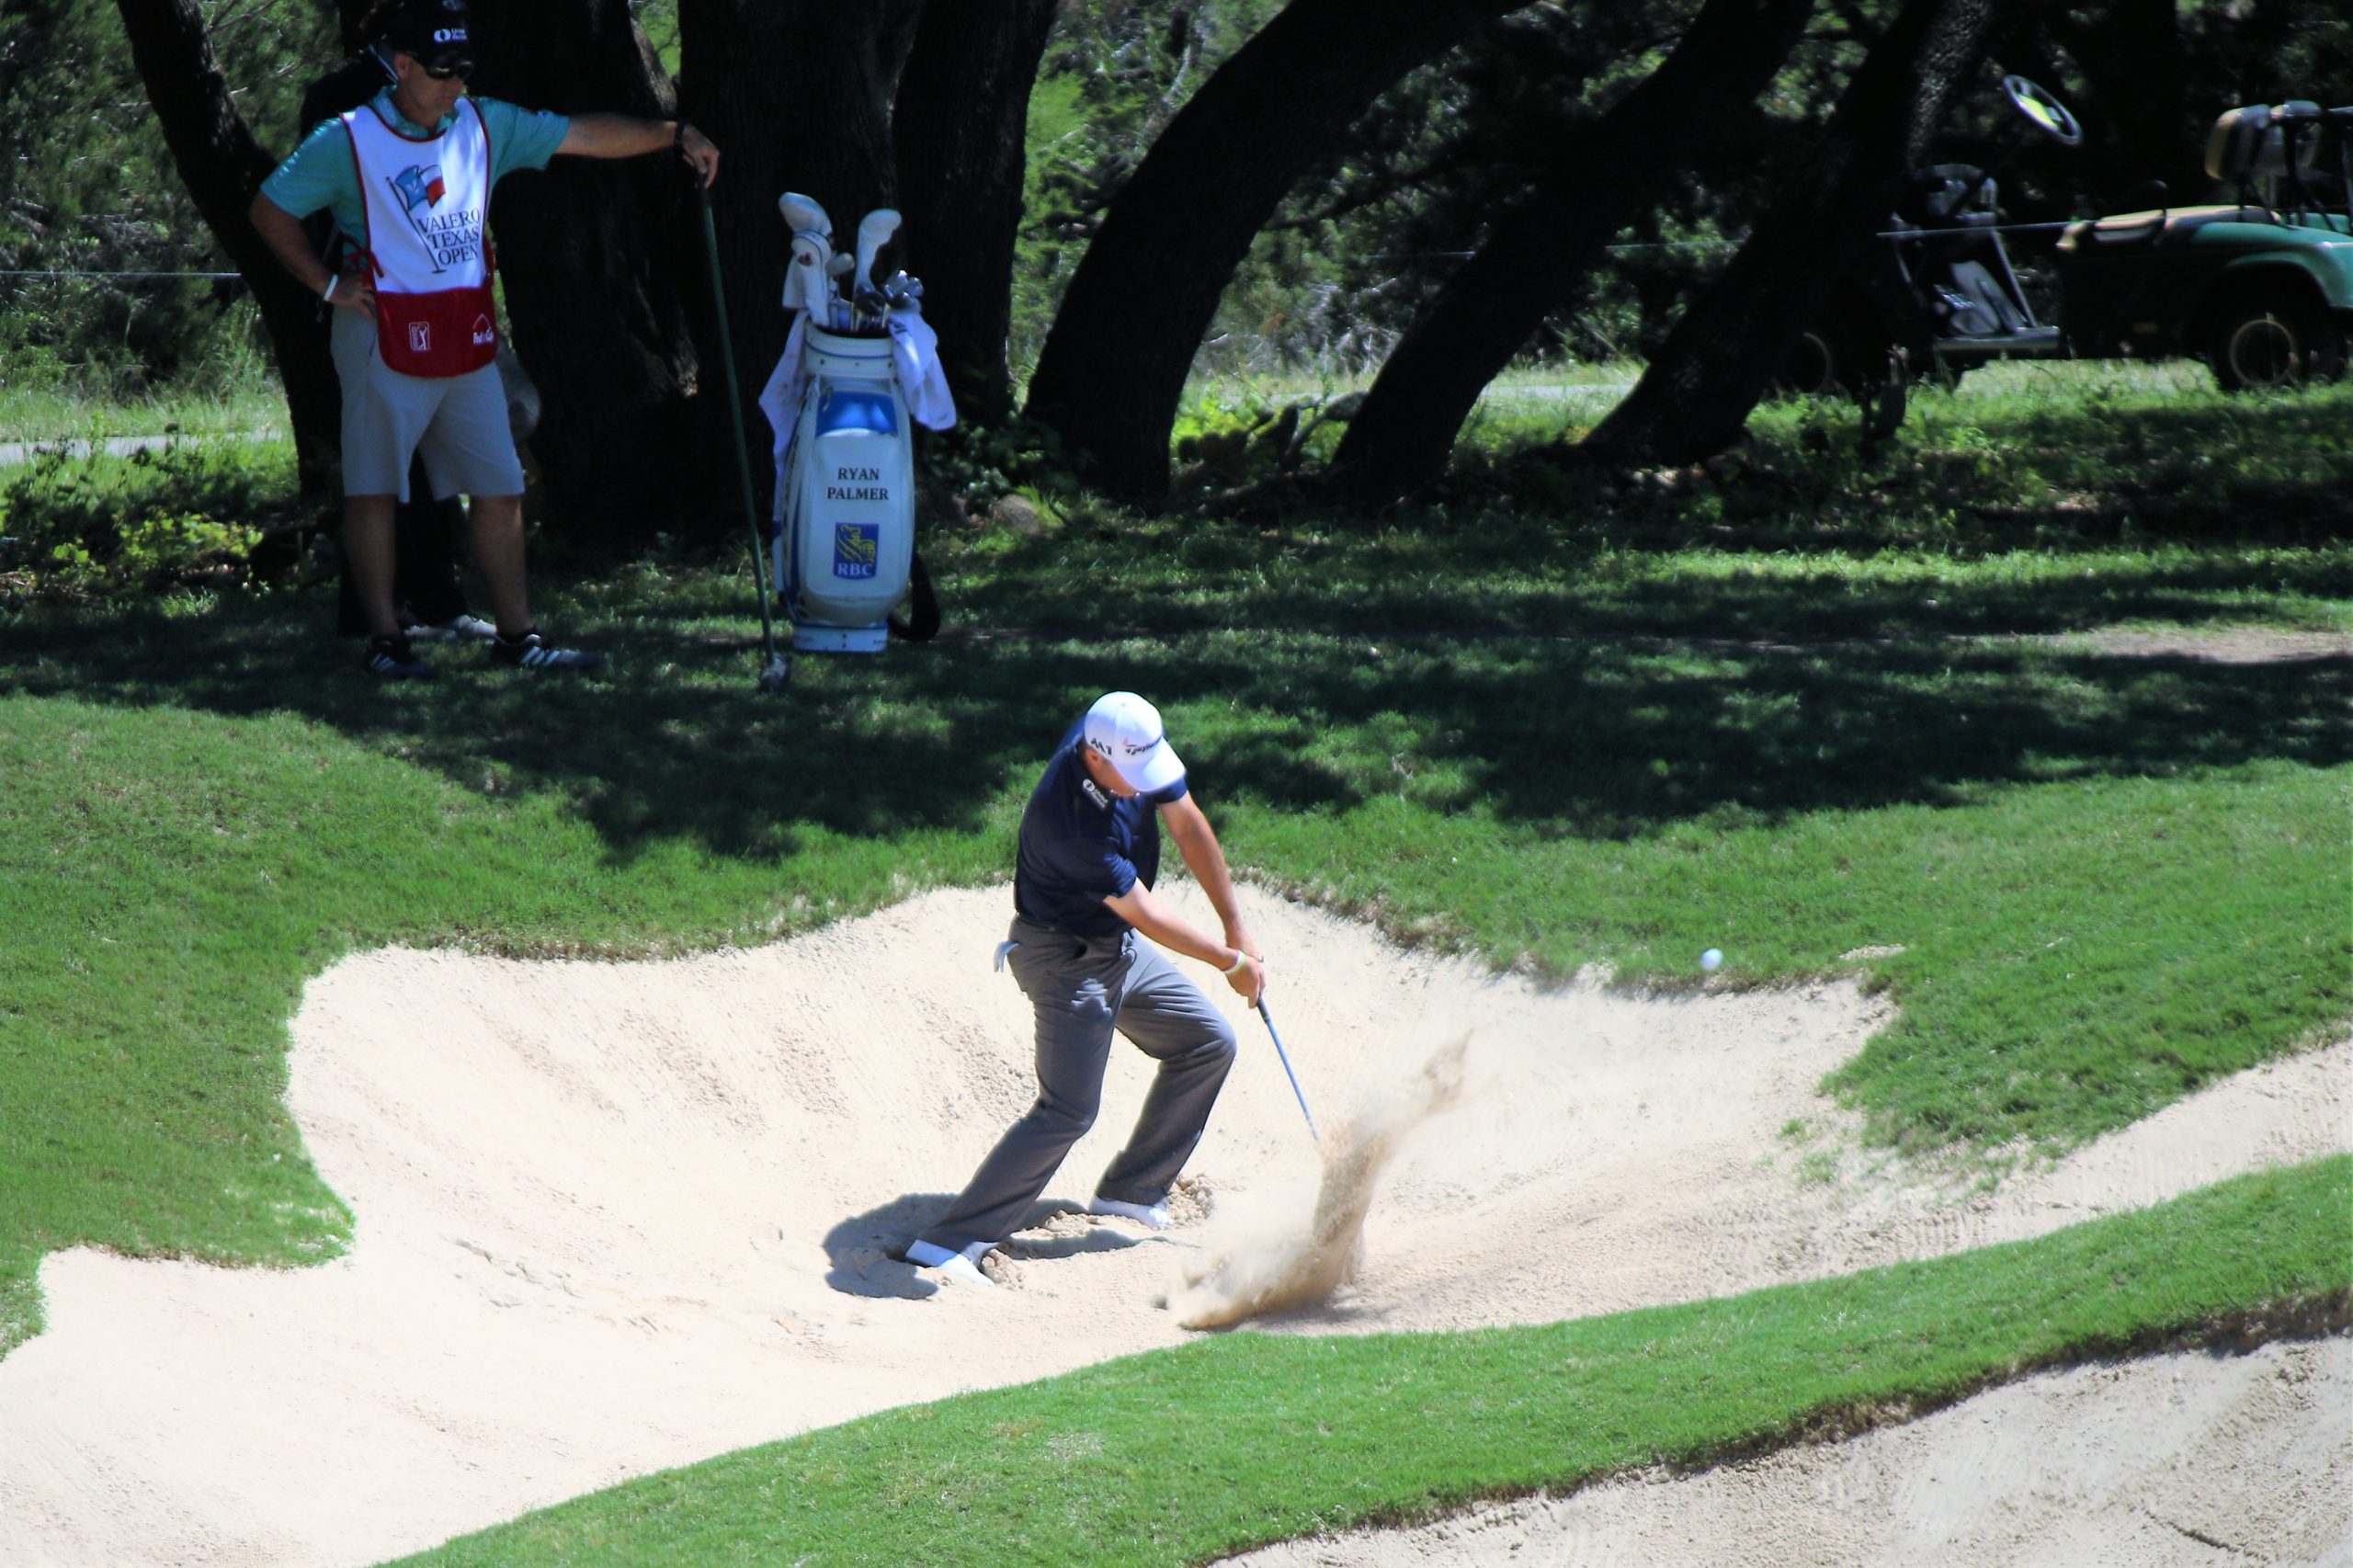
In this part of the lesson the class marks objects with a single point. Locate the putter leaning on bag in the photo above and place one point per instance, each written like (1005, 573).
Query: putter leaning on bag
(777, 671)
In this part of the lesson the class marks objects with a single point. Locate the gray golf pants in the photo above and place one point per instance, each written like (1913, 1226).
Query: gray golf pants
(1084, 990)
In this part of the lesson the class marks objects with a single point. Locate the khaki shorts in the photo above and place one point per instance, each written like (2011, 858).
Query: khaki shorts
(458, 424)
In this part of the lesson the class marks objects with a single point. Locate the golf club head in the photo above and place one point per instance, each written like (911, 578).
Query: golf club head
(803, 212)
(869, 304)
(817, 286)
(804, 280)
(874, 232)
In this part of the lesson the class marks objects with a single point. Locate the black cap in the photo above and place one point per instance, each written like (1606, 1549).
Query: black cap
(435, 31)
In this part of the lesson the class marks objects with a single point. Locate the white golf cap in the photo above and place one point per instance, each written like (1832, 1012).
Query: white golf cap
(1124, 730)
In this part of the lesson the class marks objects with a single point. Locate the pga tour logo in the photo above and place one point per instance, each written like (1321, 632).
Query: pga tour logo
(420, 337)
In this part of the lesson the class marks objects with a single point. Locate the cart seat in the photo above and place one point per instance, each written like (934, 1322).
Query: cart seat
(1951, 196)
(1974, 305)
(2248, 143)
(2171, 223)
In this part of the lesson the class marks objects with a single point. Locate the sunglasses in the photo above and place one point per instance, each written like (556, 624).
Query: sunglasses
(443, 72)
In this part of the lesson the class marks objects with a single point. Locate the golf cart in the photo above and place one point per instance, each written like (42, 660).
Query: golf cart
(2261, 287)
(1939, 292)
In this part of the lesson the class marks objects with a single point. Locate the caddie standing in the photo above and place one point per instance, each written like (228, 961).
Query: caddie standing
(1088, 852)
(415, 332)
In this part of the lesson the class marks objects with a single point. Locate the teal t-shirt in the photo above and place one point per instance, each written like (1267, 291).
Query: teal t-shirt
(320, 172)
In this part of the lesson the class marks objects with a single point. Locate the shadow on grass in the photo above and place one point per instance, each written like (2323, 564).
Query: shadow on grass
(1493, 580)
(1608, 725)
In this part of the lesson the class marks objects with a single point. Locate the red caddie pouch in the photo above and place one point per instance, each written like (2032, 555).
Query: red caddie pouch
(443, 334)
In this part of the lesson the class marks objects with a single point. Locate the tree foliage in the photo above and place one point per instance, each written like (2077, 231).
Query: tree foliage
(1318, 240)
(87, 187)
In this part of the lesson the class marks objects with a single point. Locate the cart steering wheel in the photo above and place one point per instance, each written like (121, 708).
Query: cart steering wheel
(2048, 114)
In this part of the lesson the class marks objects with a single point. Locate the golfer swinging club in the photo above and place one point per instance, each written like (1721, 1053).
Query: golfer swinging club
(1082, 892)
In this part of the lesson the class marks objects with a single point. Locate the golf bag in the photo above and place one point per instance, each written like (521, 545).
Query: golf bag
(841, 400)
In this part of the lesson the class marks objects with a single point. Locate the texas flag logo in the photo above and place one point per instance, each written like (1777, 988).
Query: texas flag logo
(420, 186)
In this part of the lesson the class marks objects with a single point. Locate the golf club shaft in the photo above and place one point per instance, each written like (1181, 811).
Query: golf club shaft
(736, 422)
(1284, 1057)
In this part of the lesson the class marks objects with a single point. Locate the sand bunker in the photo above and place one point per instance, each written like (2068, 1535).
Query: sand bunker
(2177, 1461)
(615, 1218)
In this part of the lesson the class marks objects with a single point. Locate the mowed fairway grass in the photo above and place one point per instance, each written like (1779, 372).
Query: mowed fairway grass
(1815, 703)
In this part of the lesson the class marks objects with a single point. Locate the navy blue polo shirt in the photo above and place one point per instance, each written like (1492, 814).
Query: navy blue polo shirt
(1081, 844)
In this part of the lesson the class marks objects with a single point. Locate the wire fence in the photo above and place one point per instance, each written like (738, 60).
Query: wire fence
(59, 272)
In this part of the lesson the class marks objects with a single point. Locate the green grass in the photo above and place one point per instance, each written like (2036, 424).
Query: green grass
(1805, 703)
(2114, 878)
(43, 414)
(1183, 1456)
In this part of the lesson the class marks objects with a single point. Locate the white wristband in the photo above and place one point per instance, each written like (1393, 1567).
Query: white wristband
(1240, 958)
(333, 278)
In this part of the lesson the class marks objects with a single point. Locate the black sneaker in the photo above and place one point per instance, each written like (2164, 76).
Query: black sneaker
(533, 652)
(391, 658)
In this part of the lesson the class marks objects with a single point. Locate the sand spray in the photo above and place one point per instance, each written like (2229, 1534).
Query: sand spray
(1261, 1260)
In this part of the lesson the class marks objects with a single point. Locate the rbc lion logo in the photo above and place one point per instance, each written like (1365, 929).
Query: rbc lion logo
(858, 547)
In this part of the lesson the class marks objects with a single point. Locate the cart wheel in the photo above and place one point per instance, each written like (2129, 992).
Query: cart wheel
(2272, 338)
(1828, 357)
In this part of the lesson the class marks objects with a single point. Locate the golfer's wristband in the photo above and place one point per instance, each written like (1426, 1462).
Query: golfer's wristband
(1240, 958)
(678, 137)
(333, 278)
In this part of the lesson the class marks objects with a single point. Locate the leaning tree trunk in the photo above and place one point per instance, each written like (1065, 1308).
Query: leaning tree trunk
(796, 95)
(1695, 398)
(222, 166)
(960, 122)
(593, 252)
(1601, 177)
(1114, 365)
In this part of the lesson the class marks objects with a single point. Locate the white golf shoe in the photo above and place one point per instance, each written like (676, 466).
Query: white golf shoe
(1154, 1218)
(963, 1266)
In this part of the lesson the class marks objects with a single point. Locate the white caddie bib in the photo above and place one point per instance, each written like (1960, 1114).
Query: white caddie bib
(428, 241)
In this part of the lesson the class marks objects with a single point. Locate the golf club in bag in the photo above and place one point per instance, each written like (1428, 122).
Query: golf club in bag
(858, 370)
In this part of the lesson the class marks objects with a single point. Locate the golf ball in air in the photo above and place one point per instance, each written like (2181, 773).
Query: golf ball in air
(1712, 958)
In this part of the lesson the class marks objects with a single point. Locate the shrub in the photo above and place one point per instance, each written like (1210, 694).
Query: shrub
(79, 527)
